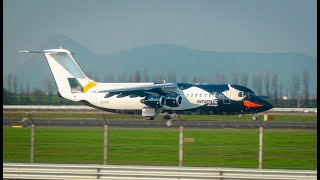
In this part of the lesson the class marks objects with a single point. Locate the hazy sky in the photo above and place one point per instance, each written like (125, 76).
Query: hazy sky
(106, 26)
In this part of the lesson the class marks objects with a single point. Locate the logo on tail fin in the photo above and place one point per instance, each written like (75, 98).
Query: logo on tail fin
(88, 86)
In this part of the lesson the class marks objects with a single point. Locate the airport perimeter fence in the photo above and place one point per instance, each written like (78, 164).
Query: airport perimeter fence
(166, 146)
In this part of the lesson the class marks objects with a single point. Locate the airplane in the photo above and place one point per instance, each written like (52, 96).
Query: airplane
(149, 99)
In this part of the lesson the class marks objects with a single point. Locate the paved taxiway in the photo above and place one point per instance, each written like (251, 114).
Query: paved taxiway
(92, 122)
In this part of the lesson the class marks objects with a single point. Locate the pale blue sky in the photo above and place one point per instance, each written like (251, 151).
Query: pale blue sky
(107, 26)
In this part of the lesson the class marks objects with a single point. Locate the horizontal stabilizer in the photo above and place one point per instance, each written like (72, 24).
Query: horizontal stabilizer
(25, 51)
(51, 51)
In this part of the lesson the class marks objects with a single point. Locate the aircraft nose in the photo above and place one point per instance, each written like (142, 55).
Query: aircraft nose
(267, 105)
(258, 103)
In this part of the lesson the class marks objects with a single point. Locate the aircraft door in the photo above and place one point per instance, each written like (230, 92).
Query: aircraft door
(226, 98)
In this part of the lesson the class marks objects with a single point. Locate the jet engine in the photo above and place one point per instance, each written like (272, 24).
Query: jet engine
(154, 101)
(173, 100)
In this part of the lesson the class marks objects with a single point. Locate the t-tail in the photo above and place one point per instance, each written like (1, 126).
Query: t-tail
(67, 74)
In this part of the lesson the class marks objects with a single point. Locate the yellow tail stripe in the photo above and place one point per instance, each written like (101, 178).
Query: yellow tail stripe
(88, 86)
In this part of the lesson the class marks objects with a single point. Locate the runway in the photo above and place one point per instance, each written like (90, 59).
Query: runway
(92, 122)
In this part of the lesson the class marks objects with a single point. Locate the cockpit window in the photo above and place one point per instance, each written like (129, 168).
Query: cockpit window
(240, 94)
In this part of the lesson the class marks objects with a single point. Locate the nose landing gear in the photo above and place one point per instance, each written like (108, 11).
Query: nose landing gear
(255, 117)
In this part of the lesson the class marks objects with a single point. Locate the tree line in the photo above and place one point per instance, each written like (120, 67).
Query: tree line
(268, 85)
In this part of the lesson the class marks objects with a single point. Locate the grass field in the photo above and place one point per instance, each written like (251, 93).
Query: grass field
(183, 117)
(283, 149)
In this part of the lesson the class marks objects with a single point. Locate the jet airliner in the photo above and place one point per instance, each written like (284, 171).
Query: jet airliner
(150, 99)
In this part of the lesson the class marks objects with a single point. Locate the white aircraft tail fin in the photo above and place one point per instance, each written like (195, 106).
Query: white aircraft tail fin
(66, 72)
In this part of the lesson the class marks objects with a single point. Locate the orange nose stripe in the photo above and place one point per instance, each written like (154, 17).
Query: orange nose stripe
(251, 104)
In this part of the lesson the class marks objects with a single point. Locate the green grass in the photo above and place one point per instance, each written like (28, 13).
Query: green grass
(299, 118)
(283, 149)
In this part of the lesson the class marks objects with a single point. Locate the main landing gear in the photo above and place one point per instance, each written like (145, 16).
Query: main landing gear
(149, 118)
(169, 118)
(148, 113)
(166, 116)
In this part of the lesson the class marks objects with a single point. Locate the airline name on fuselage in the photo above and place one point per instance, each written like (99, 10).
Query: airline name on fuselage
(209, 102)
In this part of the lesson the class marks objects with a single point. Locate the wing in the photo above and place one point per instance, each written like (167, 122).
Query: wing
(142, 91)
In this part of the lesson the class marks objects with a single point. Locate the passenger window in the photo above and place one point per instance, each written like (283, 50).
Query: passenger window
(187, 95)
(195, 95)
(199, 95)
(191, 95)
(205, 95)
(209, 95)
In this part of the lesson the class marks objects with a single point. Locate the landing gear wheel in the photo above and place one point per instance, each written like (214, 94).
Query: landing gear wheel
(169, 118)
(255, 117)
(166, 117)
(149, 117)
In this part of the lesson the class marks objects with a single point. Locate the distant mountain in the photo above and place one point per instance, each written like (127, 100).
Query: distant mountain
(167, 58)
(185, 61)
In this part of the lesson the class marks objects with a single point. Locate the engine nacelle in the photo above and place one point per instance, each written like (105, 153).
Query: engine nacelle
(173, 100)
(154, 101)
